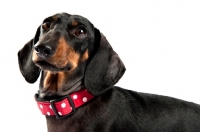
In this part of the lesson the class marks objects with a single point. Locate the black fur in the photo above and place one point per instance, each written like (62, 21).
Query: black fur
(110, 69)
(113, 109)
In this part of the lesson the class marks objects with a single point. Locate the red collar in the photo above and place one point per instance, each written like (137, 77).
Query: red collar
(65, 106)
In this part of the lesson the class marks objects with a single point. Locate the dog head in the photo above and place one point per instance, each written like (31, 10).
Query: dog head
(70, 53)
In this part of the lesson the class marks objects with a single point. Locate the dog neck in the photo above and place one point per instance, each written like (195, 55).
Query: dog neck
(54, 85)
(65, 106)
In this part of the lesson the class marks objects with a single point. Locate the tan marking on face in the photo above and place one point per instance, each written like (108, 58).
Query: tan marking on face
(85, 56)
(34, 56)
(48, 79)
(44, 26)
(54, 81)
(55, 18)
(64, 54)
(61, 79)
(74, 23)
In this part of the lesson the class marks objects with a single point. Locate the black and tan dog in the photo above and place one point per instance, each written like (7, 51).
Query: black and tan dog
(72, 54)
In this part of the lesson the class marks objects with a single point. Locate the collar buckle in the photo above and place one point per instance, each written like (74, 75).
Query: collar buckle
(55, 110)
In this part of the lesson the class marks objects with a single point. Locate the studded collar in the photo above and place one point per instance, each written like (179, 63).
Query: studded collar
(65, 106)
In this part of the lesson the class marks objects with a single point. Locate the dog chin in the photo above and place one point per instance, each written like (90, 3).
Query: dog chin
(50, 67)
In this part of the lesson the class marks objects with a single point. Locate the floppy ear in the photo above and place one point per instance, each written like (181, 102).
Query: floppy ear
(104, 69)
(28, 69)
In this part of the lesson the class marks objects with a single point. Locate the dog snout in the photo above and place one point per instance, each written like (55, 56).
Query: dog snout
(44, 51)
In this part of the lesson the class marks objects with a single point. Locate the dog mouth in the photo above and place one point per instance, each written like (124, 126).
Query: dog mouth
(44, 65)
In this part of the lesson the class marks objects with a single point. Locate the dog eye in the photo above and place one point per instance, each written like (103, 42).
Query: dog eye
(80, 32)
(46, 25)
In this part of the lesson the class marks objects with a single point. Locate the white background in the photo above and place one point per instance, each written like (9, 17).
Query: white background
(158, 41)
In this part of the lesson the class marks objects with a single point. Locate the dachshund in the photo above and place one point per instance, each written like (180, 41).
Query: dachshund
(79, 69)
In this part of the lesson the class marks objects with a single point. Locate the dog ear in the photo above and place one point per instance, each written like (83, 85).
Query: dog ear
(28, 69)
(104, 69)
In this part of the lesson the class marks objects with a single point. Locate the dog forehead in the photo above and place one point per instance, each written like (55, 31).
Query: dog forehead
(73, 20)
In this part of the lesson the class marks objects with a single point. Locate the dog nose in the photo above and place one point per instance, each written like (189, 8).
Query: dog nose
(44, 51)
